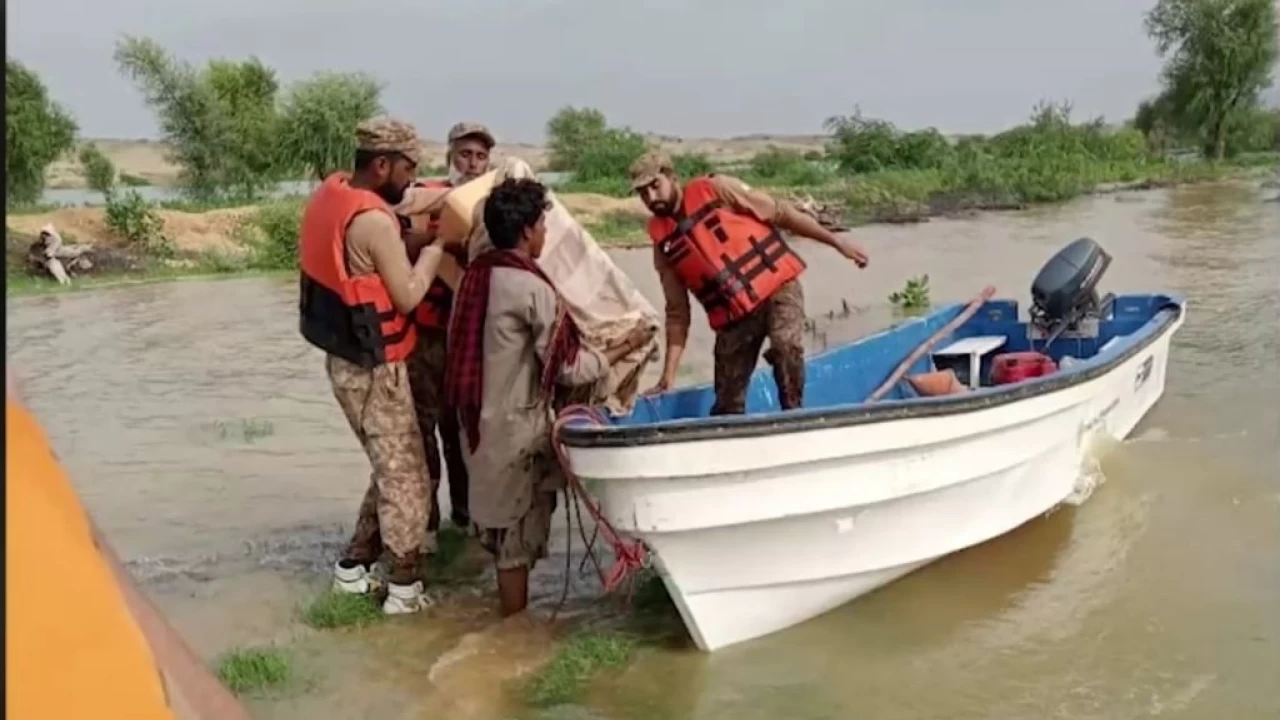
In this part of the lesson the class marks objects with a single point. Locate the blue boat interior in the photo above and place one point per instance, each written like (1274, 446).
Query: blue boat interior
(847, 375)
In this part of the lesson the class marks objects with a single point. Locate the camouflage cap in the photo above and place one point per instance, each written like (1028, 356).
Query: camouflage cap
(388, 135)
(649, 166)
(470, 129)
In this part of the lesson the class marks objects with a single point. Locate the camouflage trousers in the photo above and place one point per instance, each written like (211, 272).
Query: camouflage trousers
(379, 407)
(781, 320)
(426, 379)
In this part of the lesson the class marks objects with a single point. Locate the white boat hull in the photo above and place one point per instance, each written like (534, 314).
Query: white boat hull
(752, 535)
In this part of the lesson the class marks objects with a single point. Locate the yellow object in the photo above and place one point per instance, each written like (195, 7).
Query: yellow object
(457, 217)
(73, 649)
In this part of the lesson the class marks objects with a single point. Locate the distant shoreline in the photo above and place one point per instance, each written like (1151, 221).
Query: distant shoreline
(143, 160)
(209, 247)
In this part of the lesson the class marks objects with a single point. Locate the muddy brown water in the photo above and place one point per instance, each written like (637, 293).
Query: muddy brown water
(203, 438)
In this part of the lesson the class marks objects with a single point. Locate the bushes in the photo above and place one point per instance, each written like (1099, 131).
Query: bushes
(134, 218)
(862, 145)
(609, 156)
(599, 157)
(876, 164)
(271, 235)
(786, 168)
(1050, 158)
(691, 165)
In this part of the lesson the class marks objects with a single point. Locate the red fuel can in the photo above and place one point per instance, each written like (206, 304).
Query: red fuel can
(1018, 366)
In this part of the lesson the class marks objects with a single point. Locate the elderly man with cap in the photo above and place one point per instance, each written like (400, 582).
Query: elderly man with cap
(467, 158)
(358, 291)
(720, 240)
(468, 155)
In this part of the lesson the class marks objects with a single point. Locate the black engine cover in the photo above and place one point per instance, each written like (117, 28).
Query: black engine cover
(1068, 281)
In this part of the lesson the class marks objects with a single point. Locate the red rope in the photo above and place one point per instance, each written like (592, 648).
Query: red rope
(631, 556)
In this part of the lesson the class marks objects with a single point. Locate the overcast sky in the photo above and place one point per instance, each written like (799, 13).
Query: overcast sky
(691, 67)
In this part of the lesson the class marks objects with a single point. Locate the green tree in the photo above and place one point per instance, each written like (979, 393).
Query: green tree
(221, 121)
(245, 97)
(859, 144)
(319, 119)
(570, 132)
(37, 131)
(1152, 119)
(609, 156)
(1220, 55)
(99, 171)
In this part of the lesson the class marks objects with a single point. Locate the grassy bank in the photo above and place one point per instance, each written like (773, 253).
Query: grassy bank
(876, 172)
(263, 239)
(19, 283)
(259, 240)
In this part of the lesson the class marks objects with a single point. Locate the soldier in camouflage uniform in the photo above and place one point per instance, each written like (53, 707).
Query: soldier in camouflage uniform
(753, 296)
(351, 247)
(468, 158)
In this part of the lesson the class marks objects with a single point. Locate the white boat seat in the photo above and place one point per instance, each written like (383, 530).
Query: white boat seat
(975, 348)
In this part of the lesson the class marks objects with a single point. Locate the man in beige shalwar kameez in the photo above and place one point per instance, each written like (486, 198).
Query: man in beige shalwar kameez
(512, 341)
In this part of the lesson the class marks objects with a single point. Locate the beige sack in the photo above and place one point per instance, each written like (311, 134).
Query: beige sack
(601, 298)
(420, 203)
(457, 217)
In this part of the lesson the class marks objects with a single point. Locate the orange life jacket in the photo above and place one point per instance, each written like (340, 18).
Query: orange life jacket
(433, 312)
(349, 317)
(730, 261)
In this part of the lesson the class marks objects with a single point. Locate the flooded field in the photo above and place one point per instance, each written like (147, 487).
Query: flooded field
(201, 433)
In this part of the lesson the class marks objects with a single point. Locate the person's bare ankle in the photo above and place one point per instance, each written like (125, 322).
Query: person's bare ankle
(513, 590)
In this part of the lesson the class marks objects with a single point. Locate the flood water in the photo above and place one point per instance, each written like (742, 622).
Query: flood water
(202, 435)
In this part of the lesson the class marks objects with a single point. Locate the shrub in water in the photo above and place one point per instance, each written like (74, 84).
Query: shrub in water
(254, 669)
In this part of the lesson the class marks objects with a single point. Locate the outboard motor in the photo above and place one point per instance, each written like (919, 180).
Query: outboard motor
(1065, 292)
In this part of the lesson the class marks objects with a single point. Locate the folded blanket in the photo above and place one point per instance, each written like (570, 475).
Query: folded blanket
(603, 301)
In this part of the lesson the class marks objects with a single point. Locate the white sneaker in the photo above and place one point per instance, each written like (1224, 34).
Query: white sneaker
(405, 599)
(353, 580)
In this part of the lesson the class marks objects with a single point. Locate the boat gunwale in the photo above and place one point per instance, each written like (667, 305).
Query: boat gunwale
(729, 427)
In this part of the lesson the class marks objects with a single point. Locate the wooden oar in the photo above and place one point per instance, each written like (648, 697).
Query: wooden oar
(927, 345)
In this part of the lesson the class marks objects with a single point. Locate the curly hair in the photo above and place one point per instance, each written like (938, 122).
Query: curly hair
(513, 207)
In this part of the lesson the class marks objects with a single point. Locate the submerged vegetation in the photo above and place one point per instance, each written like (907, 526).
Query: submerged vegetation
(247, 430)
(914, 295)
(338, 610)
(576, 662)
(253, 670)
